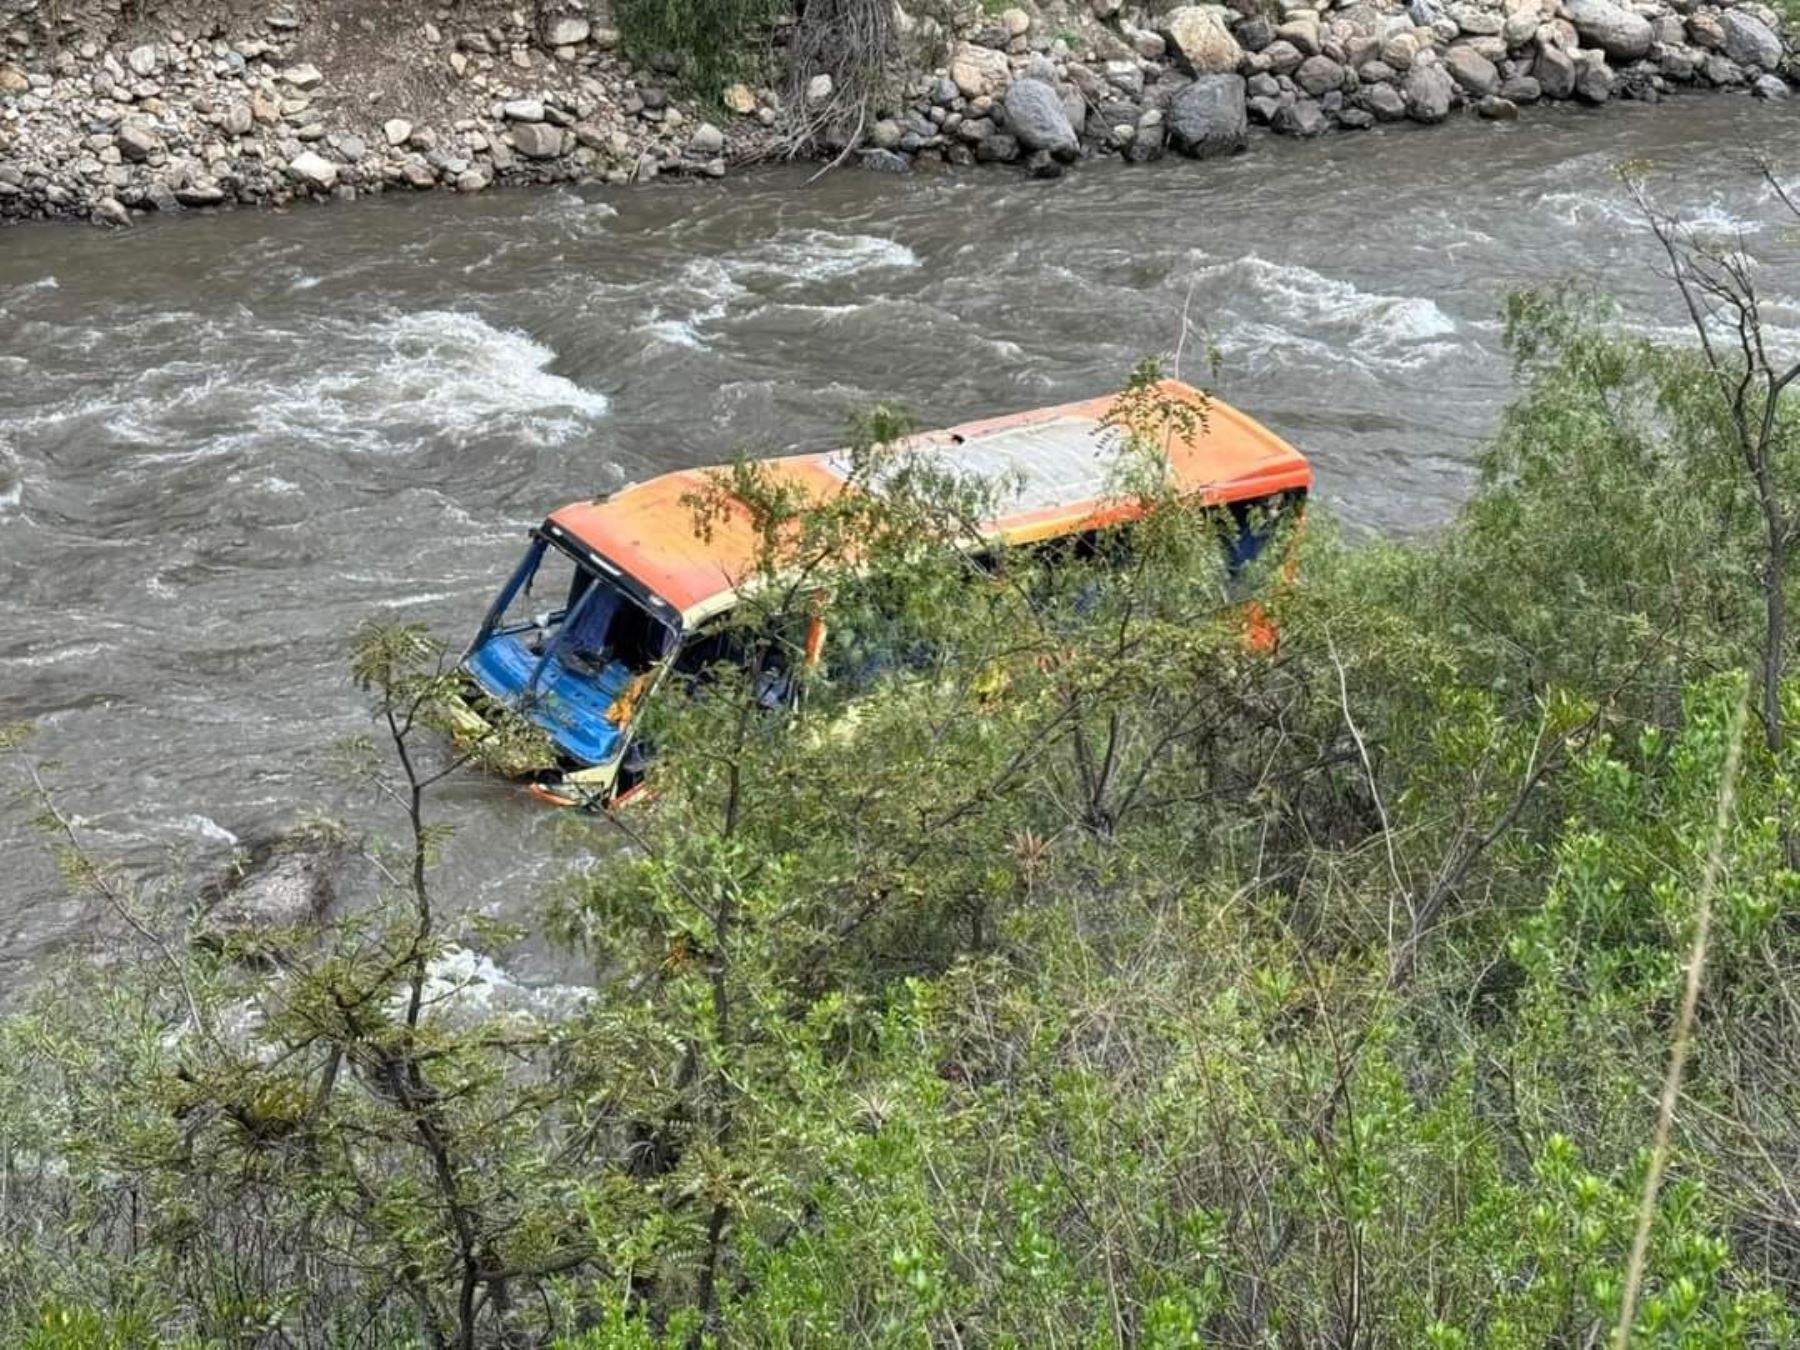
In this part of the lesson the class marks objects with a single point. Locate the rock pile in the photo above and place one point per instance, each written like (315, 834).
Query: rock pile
(1198, 78)
(183, 122)
(268, 115)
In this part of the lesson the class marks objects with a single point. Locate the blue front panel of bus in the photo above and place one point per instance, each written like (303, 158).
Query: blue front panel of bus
(569, 705)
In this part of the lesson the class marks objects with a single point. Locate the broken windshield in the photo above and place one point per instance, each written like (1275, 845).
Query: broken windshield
(559, 606)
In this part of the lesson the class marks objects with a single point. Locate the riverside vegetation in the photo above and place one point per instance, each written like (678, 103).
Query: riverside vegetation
(1088, 977)
(111, 109)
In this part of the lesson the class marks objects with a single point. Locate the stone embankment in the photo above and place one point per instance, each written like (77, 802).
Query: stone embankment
(339, 105)
(1199, 78)
(327, 102)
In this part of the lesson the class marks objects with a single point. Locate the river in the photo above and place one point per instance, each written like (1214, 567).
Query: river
(227, 442)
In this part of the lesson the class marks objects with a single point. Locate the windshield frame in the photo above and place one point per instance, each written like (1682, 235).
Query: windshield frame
(585, 555)
(586, 559)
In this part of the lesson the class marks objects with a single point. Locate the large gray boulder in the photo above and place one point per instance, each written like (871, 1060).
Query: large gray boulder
(537, 140)
(1620, 33)
(1208, 117)
(1302, 117)
(1749, 41)
(1319, 75)
(277, 891)
(1594, 82)
(1554, 70)
(1034, 114)
(1282, 57)
(1473, 71)
(1429, 93)
(1199, 40)
(1384, 101)
(138, 142)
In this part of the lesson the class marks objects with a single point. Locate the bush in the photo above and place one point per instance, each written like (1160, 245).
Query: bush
(1063, 969)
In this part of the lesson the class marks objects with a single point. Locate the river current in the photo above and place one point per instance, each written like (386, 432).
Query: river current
(227, 442)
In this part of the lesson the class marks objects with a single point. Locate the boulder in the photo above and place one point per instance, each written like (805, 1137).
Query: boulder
(1429, 93)
(1254, 33)
(1749, 41)
(1146, 144)
(312, 170)
(1619, 32)
(1476, 21)
(537, 140)
(523, 110)
(998, 148)
(707, 140)
(276, 892)
(1385, 102)
(303, 77)
(1303, 117)
(1722, 71)
(202, 193)
(1770, 86)
(1303, 34)
(1705, 30)
(978, 72)
(1126, 77)
(138, 142)
(1199, 40)
(1519, 29)
(1473, 71)
(1282, 57)
(1554, 71)
(1043, 164)
(13, 81)
(1035, 114)
(739, 99)
(1521, 89)
(567, 31)
(1208, 117)
(143, 61)
(1400, 50)
(1497, 109)
(397, 130)
(1319, 75)
(1593, 82)
(884, 161)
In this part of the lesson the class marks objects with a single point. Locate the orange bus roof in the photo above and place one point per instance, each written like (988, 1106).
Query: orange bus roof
(1055, 460)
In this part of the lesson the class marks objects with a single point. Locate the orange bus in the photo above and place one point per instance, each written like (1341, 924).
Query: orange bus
(634, 588)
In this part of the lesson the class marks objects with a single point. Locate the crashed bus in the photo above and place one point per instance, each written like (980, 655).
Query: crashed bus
(616, 594)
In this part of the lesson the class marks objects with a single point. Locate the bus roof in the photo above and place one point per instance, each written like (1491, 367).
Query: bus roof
(1056, 463)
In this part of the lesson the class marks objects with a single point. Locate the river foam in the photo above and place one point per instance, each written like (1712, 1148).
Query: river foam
(782, 269)
(393, 385)
(1290, 308)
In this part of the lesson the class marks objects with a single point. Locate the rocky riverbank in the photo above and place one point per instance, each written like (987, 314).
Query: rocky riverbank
(1199, 78)
(106, 116)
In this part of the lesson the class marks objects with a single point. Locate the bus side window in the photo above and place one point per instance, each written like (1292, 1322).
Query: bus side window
(769, 655)
(1248, 527)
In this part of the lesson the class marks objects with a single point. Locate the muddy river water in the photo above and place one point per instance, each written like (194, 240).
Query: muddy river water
(225, 443)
